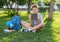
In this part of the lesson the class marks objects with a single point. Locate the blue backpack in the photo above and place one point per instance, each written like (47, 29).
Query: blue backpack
(16, 21)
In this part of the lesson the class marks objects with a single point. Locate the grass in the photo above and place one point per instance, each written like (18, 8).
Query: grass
(51, 32)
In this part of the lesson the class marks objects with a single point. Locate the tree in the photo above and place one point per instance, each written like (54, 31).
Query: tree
(2, 2)
(29, 5)
(47, 2)
(12, 11)
(50, 15)
(20, 2)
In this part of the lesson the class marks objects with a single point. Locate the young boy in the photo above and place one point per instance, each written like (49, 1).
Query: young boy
(38, 22)
(13, 24)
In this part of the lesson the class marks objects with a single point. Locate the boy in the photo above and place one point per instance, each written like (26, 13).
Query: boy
(38, 22)
(14, 24)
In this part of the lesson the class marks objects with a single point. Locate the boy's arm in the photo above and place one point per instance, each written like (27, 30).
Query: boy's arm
(30, 21)
(40, 20)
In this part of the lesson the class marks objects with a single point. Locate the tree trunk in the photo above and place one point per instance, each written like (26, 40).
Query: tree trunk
(29, 5)
(17, 7)
(50, 15)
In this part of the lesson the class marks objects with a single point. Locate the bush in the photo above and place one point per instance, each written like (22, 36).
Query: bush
(46, 2)
(43, 9)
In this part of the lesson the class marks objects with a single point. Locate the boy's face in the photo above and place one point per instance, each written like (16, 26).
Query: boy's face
(35, 10)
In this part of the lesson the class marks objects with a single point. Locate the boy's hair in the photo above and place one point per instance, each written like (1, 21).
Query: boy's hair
(34, 6)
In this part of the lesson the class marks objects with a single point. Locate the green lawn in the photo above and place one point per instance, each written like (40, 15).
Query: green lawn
(50, 33)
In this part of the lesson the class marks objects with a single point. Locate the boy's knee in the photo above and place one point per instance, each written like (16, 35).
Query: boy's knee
(22, 21)
(41, 25)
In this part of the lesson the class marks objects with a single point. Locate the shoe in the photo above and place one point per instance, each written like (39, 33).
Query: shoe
(6, 30)
(25, 30)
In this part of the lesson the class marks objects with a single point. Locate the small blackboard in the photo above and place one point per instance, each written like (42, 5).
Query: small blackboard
(34, 17)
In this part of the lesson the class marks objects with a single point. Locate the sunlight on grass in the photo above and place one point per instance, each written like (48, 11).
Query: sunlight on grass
(56, 27)
(22, 13)
(1, 12)
(3, 15)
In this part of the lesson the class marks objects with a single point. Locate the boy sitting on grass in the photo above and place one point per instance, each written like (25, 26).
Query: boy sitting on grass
(35, 18)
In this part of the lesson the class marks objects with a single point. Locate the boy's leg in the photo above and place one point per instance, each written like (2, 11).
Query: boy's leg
(37, 27)
(11, 30)
(25, 24)
(8, 30)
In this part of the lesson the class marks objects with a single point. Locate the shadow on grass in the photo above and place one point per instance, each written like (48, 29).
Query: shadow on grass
(3, 20)
(46, 34)
(48, 31)
(24, 18)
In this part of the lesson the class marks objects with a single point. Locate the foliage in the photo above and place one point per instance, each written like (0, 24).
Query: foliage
(1, 3)
(46, 1)
(20, 2)
(43, 9)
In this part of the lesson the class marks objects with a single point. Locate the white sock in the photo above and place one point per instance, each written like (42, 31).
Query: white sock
(34, 31)
(28, 29)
